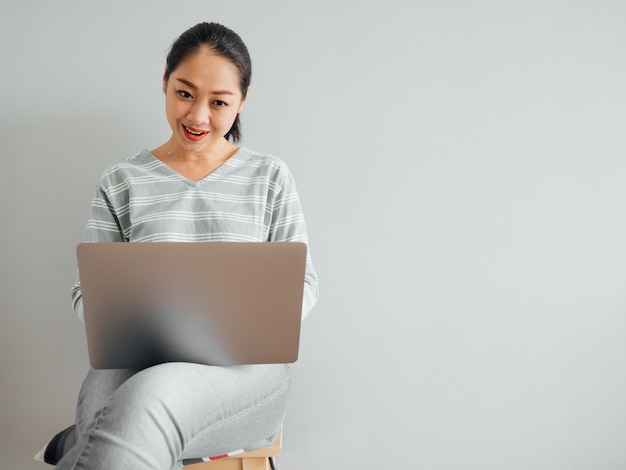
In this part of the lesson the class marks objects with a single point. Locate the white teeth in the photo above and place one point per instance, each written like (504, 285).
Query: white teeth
(194, 132)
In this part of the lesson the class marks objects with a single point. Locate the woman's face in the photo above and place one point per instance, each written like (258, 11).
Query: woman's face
(202, 100)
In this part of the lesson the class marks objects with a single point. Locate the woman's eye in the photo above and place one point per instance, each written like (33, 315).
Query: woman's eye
(220, 103)
(184, 94)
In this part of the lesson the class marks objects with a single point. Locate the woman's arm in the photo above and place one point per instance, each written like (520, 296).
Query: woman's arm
(288, 225)
(103, 226)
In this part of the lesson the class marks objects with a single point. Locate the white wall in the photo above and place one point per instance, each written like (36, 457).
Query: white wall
(461, 165)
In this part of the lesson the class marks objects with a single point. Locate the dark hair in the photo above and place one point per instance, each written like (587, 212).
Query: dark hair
(224, 42)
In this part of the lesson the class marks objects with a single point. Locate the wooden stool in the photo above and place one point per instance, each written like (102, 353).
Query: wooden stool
(254, 460)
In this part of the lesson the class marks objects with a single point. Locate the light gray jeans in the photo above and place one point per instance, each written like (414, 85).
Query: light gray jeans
(156, 417)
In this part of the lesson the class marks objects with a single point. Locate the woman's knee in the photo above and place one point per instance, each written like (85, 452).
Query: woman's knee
(183, 393)
(97, 388)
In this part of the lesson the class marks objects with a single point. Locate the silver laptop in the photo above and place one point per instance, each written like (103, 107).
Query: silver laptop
(217, 303)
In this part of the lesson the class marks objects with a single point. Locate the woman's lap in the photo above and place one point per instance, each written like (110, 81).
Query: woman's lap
(156, 417)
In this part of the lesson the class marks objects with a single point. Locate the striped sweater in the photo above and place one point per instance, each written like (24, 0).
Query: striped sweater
(251, 197)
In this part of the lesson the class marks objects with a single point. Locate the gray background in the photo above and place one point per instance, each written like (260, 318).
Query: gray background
(461, 165)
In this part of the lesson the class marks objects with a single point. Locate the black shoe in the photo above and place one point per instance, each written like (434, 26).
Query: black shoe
(58, 445)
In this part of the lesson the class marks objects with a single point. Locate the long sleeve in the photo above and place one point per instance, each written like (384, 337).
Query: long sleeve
(102, 226)
(288, 225)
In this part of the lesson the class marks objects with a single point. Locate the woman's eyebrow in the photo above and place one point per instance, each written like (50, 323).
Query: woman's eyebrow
(215, 92)
(187, 82)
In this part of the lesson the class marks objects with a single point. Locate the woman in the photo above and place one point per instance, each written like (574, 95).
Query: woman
(197, 186)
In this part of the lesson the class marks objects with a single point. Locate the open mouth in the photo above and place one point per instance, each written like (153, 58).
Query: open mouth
(194, 134)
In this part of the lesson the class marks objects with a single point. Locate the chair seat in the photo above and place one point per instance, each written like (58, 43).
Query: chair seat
(259, 459)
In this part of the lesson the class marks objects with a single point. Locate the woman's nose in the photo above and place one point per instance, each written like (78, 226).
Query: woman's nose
(199, 113)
